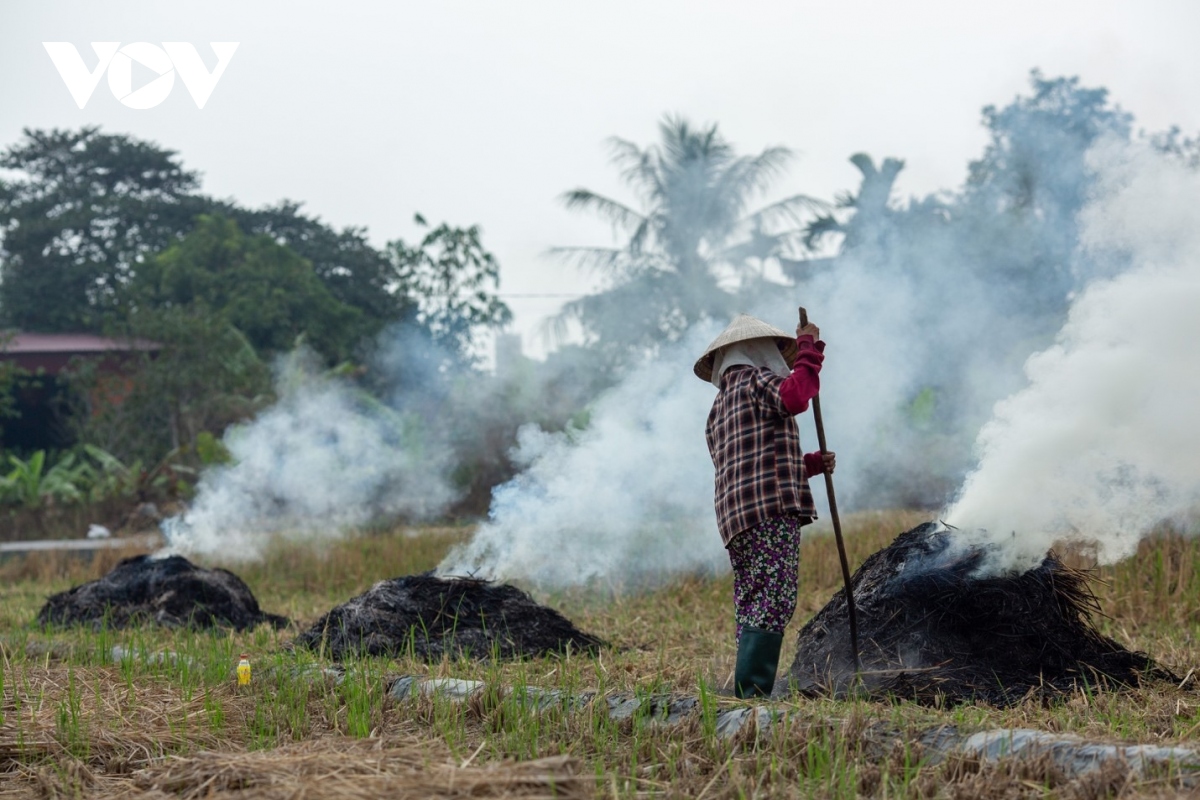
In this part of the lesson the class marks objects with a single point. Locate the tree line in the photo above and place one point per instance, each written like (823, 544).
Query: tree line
(106, 233)
(99, 228)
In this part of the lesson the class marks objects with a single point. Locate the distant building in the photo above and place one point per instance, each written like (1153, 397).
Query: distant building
(42, 401)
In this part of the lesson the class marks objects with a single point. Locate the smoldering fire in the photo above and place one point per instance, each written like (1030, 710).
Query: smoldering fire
(933, 629)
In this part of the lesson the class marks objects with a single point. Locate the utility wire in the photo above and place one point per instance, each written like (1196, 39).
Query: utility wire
(536, 294)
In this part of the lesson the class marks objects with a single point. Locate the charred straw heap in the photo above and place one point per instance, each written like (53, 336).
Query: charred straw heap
(932, 632)
(428, 617)
(170, 591)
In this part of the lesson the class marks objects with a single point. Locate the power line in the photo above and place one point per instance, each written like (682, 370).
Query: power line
(537, 294)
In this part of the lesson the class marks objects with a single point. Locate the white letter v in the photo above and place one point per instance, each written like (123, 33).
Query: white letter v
(74, 72)
(198, 80)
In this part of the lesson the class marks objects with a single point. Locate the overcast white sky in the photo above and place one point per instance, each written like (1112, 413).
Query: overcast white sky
(484, 112)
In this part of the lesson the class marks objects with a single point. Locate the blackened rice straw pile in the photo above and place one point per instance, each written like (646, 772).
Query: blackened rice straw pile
(932, 632)
(430, 617)
(169, 591)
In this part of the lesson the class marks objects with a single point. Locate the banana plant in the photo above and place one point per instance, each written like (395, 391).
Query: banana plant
(67, 481)
(115, 478)
(95, 475)
(31, 485)
(24, 481)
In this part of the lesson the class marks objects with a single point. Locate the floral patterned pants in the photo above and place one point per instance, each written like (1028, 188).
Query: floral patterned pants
(765, 561)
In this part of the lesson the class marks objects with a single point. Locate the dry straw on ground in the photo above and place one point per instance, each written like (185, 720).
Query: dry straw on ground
(330, 768)
(77, 721)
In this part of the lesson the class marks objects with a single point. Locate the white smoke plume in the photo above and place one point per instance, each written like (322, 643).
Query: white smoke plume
(1102, 445)
(936, 300)
(324, 459)
(1104, 442)
(626, 500)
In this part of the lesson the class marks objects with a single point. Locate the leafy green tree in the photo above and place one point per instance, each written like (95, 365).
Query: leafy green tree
(83, 209)
(351, 269)
(108, 233)
(452, 279)
(262, 288)
(1022, 196)
(11, 377)
(201, 376)
(694, 248)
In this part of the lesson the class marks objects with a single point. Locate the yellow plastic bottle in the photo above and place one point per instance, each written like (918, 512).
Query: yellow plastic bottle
(243, 671)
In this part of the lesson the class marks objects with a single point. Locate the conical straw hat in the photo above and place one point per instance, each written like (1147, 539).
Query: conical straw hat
(742, 328)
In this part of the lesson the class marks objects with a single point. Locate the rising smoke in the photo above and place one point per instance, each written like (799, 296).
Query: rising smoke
(624, 501)
(627, 501)
(929, 311)
(323, 460)
(1104, 442)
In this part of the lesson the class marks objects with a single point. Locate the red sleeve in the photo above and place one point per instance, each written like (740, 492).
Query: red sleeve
(813, 464)
(805, 381)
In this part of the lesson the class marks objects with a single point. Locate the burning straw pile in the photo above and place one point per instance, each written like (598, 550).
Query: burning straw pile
(428, 617)
(170, 591)
(931, 632)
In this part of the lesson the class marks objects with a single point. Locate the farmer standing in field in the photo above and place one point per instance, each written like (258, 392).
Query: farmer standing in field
(764, 378)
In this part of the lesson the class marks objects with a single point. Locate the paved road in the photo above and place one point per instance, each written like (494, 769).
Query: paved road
(149, 541)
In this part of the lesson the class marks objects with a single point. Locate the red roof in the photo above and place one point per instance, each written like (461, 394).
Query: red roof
(52, 353)
(69, 343)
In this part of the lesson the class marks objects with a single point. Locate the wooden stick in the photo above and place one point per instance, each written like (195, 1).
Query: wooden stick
(837, 524)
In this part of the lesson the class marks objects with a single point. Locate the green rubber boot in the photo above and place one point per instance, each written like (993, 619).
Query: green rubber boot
(757, 660)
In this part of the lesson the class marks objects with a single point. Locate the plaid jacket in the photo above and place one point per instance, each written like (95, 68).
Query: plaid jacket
(755, 447)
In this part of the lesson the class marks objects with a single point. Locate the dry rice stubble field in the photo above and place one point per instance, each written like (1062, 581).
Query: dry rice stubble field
(166, 718)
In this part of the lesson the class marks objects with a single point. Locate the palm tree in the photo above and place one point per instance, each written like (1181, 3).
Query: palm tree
(694, 250)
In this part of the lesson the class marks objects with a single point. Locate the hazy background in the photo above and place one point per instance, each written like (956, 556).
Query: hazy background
(479, 112)
(1023, 194)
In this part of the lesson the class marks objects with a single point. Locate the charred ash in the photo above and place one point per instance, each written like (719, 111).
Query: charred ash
(170, 591)
(428, 617)
(930, 630)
